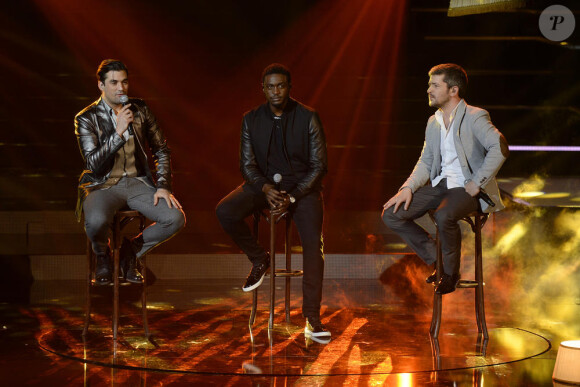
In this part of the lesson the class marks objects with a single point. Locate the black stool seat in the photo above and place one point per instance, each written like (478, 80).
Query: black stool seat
(287, 273)
(476, 220)
(121, 219)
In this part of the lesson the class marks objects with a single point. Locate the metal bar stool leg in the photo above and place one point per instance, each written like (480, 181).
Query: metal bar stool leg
(144, 297)
(437, 298)
(287, 272)
(120, 219)
(90, 260)
(256, 227)
(288, 253)
(144, 285)
(476, 224)
(254, 306)
(479, 301)
(272, 269)
(116, 247)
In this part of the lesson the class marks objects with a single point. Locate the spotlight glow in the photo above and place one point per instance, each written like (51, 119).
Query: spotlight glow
(529, 194)
(510, 238)
(555, 195)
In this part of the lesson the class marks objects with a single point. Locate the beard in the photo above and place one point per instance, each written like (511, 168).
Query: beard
(434, 102)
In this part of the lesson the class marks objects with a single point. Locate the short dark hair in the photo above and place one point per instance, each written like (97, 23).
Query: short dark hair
(277, 68)
(110, 65)
(454, 75)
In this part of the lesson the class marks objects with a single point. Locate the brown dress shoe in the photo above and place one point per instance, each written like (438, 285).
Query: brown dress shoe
(103, 272)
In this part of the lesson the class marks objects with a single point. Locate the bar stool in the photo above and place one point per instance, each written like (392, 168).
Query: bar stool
(122, 218)
(288, 273)
(476, 220)
(480, 350)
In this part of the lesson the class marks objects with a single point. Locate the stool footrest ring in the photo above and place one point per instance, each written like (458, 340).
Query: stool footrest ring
(468, 284)
(289, 273)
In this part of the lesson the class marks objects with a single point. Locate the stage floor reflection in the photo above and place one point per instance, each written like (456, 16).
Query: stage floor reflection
(214, 338)
(200, 336)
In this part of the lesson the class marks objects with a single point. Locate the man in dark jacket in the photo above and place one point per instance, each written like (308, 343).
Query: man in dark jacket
(112, 133)
(285, 137)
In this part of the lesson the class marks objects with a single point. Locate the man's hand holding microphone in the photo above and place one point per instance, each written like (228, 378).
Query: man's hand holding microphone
(279, 201)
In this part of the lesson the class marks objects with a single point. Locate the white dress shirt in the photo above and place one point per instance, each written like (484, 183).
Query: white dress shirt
(450, 167)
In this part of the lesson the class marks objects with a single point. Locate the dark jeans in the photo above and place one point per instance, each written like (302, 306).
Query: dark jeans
(307, 214)
(450, 206)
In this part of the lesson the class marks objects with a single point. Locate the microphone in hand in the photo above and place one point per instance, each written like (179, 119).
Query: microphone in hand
(482, 195)
(277, 179)
(124, 101)
(485, 197)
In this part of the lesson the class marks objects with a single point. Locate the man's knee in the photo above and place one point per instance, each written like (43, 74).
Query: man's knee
(95, 222)
(389, 218)
(176, 220)
(444, 218)
(223, 213)
(229, 214)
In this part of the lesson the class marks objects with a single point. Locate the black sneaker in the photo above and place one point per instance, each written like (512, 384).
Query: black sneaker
(256, 276)
(315, 328)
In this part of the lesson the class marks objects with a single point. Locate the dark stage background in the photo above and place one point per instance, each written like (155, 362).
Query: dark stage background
(362, 64)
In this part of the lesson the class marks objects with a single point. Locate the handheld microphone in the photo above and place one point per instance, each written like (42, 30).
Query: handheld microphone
(482, 195)
(485, 197)
(124, 101)
(277, 180)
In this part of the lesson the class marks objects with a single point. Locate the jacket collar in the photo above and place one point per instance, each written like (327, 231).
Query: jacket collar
(456, 114)
(104, 117)
(459, 115)
(290, 106)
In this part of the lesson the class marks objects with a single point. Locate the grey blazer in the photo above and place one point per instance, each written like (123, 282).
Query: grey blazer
(481, 150)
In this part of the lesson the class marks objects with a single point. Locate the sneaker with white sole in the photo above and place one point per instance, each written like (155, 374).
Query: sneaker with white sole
(315, 328)
(256, 276)
(310, 340)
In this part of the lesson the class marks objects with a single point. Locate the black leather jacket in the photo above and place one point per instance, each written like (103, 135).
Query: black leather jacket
(98, 143)
(305, 146)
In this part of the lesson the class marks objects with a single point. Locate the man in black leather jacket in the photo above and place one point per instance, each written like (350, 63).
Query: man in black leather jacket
(112, 135)
(285, 137)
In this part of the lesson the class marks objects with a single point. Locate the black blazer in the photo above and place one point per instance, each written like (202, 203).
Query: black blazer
(305, 146)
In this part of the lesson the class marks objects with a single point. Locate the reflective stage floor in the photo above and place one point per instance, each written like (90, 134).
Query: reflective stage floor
(200, 336)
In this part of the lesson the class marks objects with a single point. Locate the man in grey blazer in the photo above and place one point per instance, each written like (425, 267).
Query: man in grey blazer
(462, 153)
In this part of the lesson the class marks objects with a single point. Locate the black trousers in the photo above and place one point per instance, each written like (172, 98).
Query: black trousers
(307, 214)
(450, 206)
